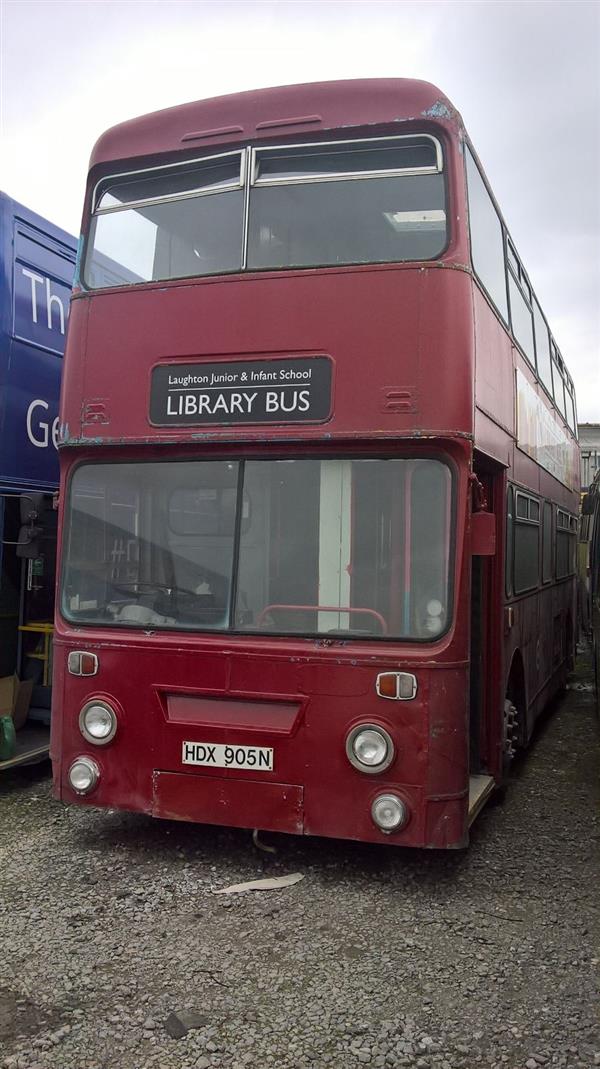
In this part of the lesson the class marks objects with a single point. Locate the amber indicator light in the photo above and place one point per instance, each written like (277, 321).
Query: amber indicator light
(399, 686)
(82, 663)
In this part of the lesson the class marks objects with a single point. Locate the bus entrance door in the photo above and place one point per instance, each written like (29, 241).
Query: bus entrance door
(486, 597)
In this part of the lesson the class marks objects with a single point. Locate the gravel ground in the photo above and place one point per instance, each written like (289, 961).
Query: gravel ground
(117, 955)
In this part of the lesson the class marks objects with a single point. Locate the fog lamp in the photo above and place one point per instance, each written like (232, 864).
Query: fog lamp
(389, 812)
(369, 748)
(83, 775)
(98, 722)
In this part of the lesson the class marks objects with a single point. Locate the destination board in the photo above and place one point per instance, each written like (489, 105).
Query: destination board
(241, 391)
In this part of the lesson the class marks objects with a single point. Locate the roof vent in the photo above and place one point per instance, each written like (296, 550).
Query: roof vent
(299, 120)
(198, 135)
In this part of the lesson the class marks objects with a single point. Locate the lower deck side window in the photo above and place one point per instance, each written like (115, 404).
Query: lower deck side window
(566, 544)
(526, 543)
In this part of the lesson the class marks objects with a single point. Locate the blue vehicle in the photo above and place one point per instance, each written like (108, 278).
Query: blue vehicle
(37, 263)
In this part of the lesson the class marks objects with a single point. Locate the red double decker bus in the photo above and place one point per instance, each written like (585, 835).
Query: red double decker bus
(319, 473)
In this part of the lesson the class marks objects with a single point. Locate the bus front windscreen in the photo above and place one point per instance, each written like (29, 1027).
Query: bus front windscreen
(355, 547)
(381, 200)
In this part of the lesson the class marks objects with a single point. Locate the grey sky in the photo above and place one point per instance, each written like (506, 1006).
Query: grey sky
(525, 76)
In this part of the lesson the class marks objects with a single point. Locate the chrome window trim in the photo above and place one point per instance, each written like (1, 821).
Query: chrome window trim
(571, 412)
(244, 170)
(556, 362)
(333, 176)
(531, 358)
(246, 208)
(512, 260)
(169, 168)
(523, 286)
(519, 494)
(247, 177)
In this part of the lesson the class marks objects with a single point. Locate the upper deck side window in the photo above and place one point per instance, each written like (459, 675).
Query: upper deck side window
(521, 317)
(559, 382)
(500, 272)
(571, 415)
(542, 347)
(521, 304)
(374, 200)
(487, 238)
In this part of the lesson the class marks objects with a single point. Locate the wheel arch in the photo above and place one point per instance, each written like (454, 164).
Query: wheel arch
(516, 691)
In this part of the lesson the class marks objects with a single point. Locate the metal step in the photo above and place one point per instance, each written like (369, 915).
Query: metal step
(33, 745)
(480, 788)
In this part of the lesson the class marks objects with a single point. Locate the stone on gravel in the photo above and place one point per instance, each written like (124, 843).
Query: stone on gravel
(179, 1024)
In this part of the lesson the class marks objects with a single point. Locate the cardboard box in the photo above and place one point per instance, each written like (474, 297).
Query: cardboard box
(15, 697)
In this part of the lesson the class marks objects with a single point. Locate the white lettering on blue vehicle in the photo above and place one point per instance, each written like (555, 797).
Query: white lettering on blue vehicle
(55, 309)
(39, 429)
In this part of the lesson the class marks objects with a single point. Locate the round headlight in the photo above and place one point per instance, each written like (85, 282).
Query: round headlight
(369, 748)
(389, 812)
(84, 775)
(97, 722)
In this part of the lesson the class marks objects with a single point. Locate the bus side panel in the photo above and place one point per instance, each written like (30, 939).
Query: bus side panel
(494, 381)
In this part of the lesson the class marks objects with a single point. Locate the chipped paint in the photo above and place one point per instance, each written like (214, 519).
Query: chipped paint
(439, 110)
(77, 274)
(377, 434)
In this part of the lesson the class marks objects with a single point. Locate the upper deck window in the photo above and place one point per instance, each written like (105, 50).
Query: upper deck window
(520, 315)
(542, 347)
(297, 163)
(212, 175)
(559, 385)
(487, 240)
(374, 201)
(570, 400)
(168, 223)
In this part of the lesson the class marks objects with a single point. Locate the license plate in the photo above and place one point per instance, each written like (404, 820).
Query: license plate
(219, 755)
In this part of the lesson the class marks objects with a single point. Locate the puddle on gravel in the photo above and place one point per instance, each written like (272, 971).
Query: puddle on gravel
(21, 1017)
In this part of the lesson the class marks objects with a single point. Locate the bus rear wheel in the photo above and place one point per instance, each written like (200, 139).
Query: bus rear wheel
(510, 736)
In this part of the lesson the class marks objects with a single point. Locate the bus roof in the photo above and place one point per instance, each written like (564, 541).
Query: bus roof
(291, 109)
(9, 207)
